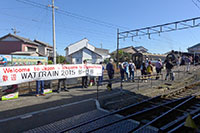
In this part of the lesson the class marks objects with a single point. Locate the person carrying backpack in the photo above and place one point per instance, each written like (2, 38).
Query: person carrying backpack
(149, 69)
(132, 69)
(126, 70)
(169, 66)
(159, 67)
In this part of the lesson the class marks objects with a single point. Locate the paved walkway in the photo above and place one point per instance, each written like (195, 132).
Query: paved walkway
(37, 111)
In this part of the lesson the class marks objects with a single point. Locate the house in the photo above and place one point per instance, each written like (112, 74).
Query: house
(154, 57)
(83, 50)
(103, 52)
(17, 45)
(141, 49)
(85, 54)
(12, 43)
(130, 50)
(44, 49)
(194, 49)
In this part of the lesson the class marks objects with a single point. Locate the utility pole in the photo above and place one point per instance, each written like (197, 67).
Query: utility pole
(54, 34)
(117, 48)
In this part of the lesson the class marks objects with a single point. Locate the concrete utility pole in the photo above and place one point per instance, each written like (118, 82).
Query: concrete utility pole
(117, 48)
(54, 33)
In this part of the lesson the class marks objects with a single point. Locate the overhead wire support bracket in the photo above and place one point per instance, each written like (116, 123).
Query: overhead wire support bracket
(186, 24)
(157, 29)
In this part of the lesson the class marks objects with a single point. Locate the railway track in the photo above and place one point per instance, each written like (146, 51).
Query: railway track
(181, 127)
(168, 119)
(165, 113)
(192, 89)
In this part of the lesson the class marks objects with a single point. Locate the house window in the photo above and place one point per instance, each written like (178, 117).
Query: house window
(30, 49)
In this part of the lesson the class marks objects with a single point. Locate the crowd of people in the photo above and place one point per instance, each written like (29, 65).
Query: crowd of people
(128, 69)
(127, 72)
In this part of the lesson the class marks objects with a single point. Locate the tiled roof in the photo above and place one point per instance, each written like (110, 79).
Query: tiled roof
(76, 42)
(126, 48)
(26, 40)
(100, 50)
(194, 46)
(85, 48)
(43, 43)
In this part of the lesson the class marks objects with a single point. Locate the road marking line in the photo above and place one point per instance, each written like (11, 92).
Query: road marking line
(99, 107)
(28, 115)
(23, 116)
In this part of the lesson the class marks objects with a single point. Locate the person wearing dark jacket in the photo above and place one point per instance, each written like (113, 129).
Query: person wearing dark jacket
(121, 71)
(169, 66)
(85, 78)
(110, 71)
(62, 81)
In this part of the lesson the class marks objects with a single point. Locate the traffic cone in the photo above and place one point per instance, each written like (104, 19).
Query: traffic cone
(190, 122)
(91, 82)
(109, 89)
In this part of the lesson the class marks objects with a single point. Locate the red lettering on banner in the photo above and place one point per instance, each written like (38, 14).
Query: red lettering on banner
(36, 69)
(7, 70)
(5, 77)
(69, 67)
(48, 68)
(18, 74)
(98, 67)
(13, 77)
(15, 70)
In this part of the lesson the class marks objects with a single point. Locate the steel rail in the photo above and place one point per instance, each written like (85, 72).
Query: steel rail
(137, 113)
(172, 109)
(182, 124)
(112, 113)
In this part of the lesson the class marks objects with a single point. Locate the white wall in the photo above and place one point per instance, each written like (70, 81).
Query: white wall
(77, 57)
(85, 54)
(79, 45)
(90, 47)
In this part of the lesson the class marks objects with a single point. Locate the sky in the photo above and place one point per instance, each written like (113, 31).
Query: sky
(98, 20)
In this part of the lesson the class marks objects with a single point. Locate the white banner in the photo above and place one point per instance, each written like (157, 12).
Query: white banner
(20, 74)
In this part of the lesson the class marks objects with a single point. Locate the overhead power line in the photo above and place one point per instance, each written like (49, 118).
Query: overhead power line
(74, 15)
(196, 4)
(71, 29)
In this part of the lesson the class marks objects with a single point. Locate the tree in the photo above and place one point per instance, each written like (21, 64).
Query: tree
(123, 56)
(60, 59)
(50, 62)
